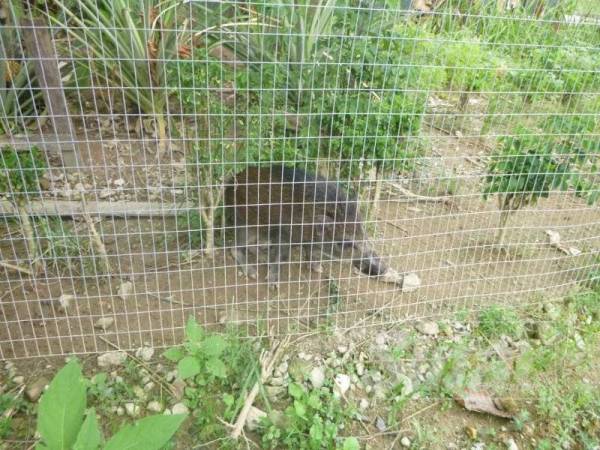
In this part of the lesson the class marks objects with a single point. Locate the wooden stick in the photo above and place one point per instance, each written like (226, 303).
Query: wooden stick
(65, 208)
(267, 363)
(17, 268)
(413, 196)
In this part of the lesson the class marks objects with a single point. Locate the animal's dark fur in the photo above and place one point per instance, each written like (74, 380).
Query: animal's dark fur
(293, 207)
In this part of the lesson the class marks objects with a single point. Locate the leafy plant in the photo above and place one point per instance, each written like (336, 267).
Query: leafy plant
(64, 422)
(312, 421)
(495, 321)
(20, 172)
(529, 166)
(19, 96)
(125, 45)
(216, 368)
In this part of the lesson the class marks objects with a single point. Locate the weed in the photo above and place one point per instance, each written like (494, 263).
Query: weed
(312, 421)
(496, 321)
(218, 369)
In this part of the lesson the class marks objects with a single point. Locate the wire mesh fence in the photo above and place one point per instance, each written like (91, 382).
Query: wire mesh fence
(143, 143)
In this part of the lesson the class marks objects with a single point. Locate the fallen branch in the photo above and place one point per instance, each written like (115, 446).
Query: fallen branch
(65, 208)
(415, 197)
(97, 241)
(267, 363)
(17, 268)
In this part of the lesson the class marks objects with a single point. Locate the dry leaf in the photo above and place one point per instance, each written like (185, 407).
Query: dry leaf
(484, 403)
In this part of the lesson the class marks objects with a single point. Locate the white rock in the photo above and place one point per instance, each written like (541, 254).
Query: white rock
(405, 442)
(511, 444)
(317, 377)
(132, 409)
(104, 323)
(139, 392)
(120, 411)
(342, 349)
(381, 339)
(171, 375)
(125, 290)
(149, 386)
(410, 282)
(19, 379)
(363, 404)
(119, 182)
(253, 418)
(65, 300)
(145, 353)
(428, 328)
(342, 384)
(179, 408)
(154, 406)
(105, 193)
(112, 359)
(360, 369)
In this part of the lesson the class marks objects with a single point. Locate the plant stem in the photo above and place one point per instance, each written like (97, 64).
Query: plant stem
(504, 215)
(162, 134)
(29, 237)
(207, 211)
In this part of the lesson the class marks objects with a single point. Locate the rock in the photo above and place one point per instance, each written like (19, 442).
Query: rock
(132, 410)
(376, 376)
(405, 442)
(65, 300)
(111, 359)
(19, 379)
(179, 408)
(342, 384)
(139, 392)
(276, 381)
(120, 411)
(428, 328)
(410, 282)
(274, 392)
(478, 446)
(103, 323)
(282, 369)
(154, 406)
(254, 417)
(119, 182)
(381, 340)
(105, 193)
(125, 290)
(360, 369)
(145, 353)
(178, 388)
(34, 390)
(511, 444)
(149, 386)
(317, 377)
(342, 349)
(363, 404)
(380, 424)
(170, 375)
(471, 432)
(298, 369)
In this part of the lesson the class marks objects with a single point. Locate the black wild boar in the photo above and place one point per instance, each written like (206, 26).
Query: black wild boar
(292, 207)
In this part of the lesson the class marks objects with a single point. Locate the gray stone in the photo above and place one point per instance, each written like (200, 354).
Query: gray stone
(254, 417)
(111, 359)
(179, 408)
(34, 390)
(154, 406)
(428, 328)
(317, 377)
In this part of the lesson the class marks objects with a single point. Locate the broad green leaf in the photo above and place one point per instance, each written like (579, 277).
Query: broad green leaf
(188, 367)
(299, 408)
(214, 345)
(174, 354)
(193, 331)
(216, 367)
(61, 409)
(351, 443)
(149, 433)
(89, 437)
(295, 390)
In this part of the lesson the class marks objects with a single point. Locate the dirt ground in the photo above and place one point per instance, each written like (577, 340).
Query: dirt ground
(449, 244)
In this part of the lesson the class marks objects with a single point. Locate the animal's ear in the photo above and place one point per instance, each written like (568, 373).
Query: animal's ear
(324, 227)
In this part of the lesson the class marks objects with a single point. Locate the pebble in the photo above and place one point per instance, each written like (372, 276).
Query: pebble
(139, 392)
(125, 290)
(405, 442)
(411, 282)
(65, 300)
(381, 339)
(103, 323)
(342, 384)
(380, 424)
(428, 328)
(376, 376)
(149, 386)
(145, 353)
(342, 349)
(360, 369)
(363, 404)
(111, 359)
(179, 408)
(34, 391)
(154, 406)
(171, 375)
(254, 417)
(19, 379)
(120, 411)
(132, 409)
(511, 444)
(317, 377)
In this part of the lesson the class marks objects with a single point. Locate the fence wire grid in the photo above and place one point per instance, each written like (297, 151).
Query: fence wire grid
(467, 133)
